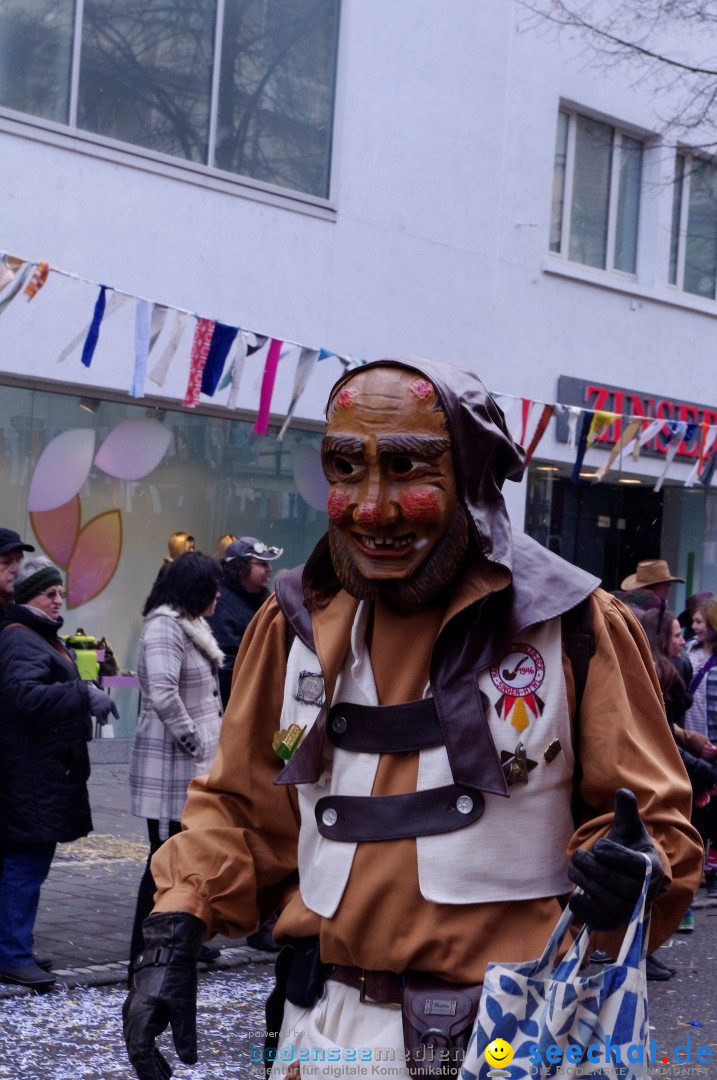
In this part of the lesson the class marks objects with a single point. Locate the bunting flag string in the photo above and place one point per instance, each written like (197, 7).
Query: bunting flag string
(545, 416)
(93, 334)
(222, 341)
(159, 372)
(15, 274)
(142, 327)
(582, 445)
(219, 352)
(628, 435)
(527, 405)
(115, 302)
(304, 367)
(237, 369)
(200, 350)
(599, 422)
(678, 434)
(37, 280)
(267, 386)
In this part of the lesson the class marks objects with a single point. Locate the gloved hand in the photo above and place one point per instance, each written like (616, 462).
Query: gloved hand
(101, 704)
(164, 991)
(612, 874)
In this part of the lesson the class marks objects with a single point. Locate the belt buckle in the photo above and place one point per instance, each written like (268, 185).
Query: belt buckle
(372, 1001)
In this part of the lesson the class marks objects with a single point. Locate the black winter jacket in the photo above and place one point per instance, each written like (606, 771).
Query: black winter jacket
(235, 609)
(44, 727)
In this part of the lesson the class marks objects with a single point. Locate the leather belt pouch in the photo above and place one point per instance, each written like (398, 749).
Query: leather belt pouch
(437, 1023)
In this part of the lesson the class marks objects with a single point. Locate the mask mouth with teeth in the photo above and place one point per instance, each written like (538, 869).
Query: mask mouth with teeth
(396, 524)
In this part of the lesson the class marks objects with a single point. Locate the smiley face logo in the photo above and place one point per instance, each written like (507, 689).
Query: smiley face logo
(499, 1053)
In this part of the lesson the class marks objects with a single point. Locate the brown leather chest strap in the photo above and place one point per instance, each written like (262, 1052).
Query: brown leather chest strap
(360, 819)
(385, 729)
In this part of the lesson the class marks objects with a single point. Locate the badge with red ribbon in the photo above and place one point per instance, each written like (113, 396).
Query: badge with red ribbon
(518, 676)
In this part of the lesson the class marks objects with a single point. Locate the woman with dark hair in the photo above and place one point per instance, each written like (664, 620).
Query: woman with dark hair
(674, 670)
(180, 719)
(701, 719)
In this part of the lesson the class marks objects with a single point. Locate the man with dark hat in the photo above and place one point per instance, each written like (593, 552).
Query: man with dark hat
(415, 679)
(246, 566)
(12, 550)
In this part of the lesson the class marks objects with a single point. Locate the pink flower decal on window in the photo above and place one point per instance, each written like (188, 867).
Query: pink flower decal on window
(94, 559)
(56, 530)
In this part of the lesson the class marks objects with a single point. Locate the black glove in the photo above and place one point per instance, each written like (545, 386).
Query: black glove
(702, 774)
(101, 704)
(164, 991)
(612, 874)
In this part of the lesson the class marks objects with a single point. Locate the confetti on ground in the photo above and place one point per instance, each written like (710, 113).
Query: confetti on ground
(101, 846)
(77, 1034)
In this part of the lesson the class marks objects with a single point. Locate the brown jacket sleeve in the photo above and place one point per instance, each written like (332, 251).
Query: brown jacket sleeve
(222, 867)
(623, 740)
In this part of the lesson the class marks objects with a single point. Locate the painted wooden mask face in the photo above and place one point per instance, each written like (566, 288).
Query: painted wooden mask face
(387, 457)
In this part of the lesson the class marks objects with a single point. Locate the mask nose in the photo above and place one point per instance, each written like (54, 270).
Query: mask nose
(374, 505)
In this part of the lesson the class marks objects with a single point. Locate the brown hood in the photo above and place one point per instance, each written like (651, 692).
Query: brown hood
(484, 453)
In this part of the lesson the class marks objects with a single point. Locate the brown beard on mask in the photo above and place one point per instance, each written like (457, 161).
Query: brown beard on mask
(433, 577)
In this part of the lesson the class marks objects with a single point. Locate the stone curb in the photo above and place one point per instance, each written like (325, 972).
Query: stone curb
(112, 974)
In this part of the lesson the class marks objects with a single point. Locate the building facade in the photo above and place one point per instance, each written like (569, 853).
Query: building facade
(365, 178)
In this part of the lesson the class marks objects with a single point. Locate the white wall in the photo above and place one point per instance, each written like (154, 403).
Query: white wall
(443, 166)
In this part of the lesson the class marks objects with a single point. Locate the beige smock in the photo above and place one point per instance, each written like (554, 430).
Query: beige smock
(237, 858)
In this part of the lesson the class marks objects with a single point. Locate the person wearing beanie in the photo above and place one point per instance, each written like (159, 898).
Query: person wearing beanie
(45, 723)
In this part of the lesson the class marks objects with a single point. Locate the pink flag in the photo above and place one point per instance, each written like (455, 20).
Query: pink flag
(267, 386)
(200, 351)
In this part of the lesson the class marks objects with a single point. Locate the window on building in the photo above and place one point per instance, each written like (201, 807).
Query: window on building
(596, 193)
(244, 86)
(693, 248)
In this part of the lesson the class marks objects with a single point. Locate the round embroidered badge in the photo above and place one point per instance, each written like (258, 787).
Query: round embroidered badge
(520, 672)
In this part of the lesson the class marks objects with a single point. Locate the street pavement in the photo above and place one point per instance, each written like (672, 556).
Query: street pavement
(87, 903)
(85, 920)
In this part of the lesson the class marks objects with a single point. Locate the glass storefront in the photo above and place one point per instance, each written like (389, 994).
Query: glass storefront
(194, 472)
(607, 528)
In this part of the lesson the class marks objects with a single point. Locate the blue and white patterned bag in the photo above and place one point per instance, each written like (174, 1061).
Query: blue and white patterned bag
(537, 1005)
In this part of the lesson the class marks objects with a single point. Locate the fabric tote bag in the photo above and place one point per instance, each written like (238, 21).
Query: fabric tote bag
(559, 1022)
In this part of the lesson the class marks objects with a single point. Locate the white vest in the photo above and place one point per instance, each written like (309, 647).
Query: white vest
(517, 849)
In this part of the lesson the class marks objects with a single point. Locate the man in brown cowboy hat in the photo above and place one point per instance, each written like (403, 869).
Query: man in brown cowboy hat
(652, 574)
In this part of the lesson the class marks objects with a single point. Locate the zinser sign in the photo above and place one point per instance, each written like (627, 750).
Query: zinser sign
(627, 403)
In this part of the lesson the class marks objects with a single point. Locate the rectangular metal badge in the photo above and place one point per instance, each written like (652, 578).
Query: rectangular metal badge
(310, 690)
(439, 1007)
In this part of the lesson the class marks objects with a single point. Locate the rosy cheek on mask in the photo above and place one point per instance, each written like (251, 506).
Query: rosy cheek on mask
(421, 506)
(338, 501)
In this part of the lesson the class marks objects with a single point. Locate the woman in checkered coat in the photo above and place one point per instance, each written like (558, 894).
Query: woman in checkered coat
(181, 715)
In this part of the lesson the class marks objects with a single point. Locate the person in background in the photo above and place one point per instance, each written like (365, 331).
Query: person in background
(181, 714)
(178, 544)
(701, 718)
(674, 673)
(653, 575)
(45, 724)
(222, 544)
(245, 575)
(11, 555)
(691, 605)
